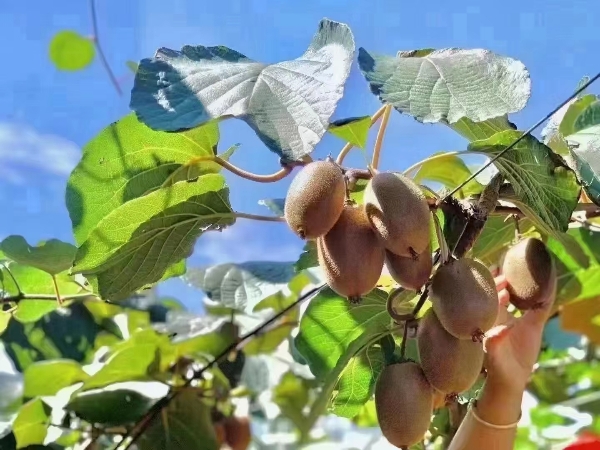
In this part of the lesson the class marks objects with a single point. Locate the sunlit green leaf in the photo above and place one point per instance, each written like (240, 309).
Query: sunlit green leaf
(287, 104)
(449, 84)
(31, 424)
(127, 160)
(70, 50)
(53, 256)
(268, 341)
(4, 320)
(498, 233)
(291, 395)
(450, 171)
(136, 243)
(568, 124)
(49, 377)
(354, 130)
(184, 424)
(546, 190)
(474, 131)
(308, 257)
(132, 65)
(357, 382)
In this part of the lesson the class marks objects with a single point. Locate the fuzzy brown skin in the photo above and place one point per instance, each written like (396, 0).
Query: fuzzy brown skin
(464, 298)
(450, 365)
(399, 213)
(350, 255)
(237, 432)
(315, 199)
(404, 403)
(410, 273)
(530, 274)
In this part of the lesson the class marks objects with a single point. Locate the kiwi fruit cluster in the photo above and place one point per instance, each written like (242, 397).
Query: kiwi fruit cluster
(354, 242)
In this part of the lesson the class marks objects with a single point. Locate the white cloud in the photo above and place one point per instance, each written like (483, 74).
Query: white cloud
(22, 149)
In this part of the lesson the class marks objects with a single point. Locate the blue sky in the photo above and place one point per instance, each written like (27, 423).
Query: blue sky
(46, 116)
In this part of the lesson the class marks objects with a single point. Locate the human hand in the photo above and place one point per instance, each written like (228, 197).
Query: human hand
(512, 346)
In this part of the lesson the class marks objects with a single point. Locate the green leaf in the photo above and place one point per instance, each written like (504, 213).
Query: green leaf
(474, 131)
(330, 325)
(568, 124)
(354, 130)
(268, 341)
(585, 158)
(240, 286)
(70, 50)
(449, 84)
(546, 190)
(497, 234)
(127, 160)
(49, 377)
(53, 256)
(287, 104)
(450, 171)
(577, 281)
(31, 424)
(184, 424)
(118, 404)
(136, 243)
(291, 395)
(132, 65)
(542, 417)
(4, 320)
(357, 382)
(128, 364)
(589, 117)
(308, 258)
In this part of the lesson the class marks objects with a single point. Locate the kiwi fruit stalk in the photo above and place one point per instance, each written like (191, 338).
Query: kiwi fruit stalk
(530, 274)
(410, 272)
(404, 403)
(450, 365)
(398, 212)
(464, 298)
(350, 255)
(315, 199)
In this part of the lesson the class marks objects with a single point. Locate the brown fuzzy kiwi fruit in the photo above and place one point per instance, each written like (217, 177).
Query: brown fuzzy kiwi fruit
(410, 272)
(237, 432)
(530, 274)
(350, 255)
(398, 212)
(315, 199)
(451, 365)
(219, 428)
(439, 399)
(464, 297)
(404, 403)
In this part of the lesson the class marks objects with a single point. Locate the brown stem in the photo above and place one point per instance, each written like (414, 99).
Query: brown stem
(279, 175)
(404, 338)
(398, 318)
(421, 301)
(380, 135)
(103, 59)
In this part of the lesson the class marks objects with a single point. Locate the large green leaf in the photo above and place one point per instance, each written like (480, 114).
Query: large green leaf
(357, 382)
(450, 171)
(71, 51)
(291, 395)
(446, 85)
(267, 342)
(117, 404)
(52, 256)
(288, 104)
(128, 364)
(49, 377)
(577, 281)
(240, 286)
(127, 160)
(354, 130)
(184, 424)
(474, 131)
(571, 122)
(308, 258)
(498, 233)
(546, 190)
(136, 243)
(31, 424)
(330, 325)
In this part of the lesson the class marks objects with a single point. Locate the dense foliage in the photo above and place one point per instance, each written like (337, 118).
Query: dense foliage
(98, 358)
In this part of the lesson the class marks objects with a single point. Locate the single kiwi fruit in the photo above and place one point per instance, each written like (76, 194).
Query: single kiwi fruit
(450, 365)
(404, 403)
(530, 274)
(410, 272)
(464, 298)
(350, 255)
(315, 199)
(237, 432)
(398, 212)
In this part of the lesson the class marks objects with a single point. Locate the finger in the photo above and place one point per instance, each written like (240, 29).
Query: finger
(504, 317)
(495, 270)
(504, 298)
(538, 317)
(501, 282)
(496, 336)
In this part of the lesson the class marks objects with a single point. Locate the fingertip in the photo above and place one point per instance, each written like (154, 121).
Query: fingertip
(504, 298)
(500, 281)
